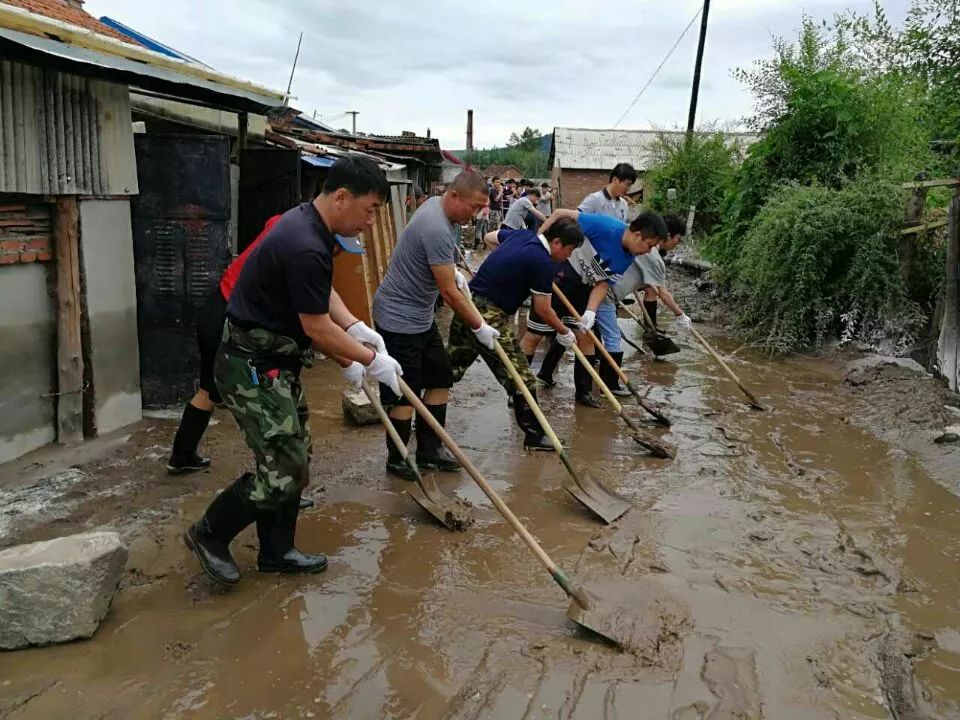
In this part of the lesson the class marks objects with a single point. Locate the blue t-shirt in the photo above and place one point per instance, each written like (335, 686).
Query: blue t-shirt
(601, 257)
(520, 266)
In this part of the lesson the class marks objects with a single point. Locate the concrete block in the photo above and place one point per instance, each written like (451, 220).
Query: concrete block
(58, 590)
(357, 408)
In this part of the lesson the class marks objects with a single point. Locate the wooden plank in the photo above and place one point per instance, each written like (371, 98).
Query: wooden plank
(913, 230)
(69, 357)
(945, 182)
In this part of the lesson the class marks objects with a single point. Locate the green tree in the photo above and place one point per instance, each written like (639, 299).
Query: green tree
(525, 151)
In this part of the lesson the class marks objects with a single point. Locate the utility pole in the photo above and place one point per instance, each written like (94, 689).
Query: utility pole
(692, 118)
(286, 99)
(354, 113)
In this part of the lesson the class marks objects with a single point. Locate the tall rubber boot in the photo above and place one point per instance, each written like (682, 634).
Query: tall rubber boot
(183, 456)
(549, 366)
(651, 306)
(610, 377)
(534, 437)
(276, 531)
(431, 453)
(209, 538)
(396, 465)
(583, 384)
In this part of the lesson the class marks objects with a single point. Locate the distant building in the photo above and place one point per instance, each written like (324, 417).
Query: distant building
(581, 159)
(503, 172)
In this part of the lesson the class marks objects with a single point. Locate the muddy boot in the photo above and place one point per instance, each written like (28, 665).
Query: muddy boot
(183, 456)
(610, 377)
(396, 465)
(549, 366)
(534, 438)
(431, 453)
(651, 306)
(583, 384)
(276, 531)
(209, 538)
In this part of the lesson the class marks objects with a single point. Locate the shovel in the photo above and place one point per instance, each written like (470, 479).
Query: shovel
(660, 345)
(453, 514)
(654, 412)
(607, 504)
(750, 397)
(587, 608)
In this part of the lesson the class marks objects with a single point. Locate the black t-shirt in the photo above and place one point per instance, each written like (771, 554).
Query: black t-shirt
(289, 272)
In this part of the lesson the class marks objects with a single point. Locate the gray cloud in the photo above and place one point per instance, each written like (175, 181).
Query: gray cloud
(421, 63)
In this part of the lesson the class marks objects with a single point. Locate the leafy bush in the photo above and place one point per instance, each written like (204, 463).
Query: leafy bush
(702, 171)
(820, 262)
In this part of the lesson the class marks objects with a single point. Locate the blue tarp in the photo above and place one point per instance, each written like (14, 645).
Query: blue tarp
(317, 161)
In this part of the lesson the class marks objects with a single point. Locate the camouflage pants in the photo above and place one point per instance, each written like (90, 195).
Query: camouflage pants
(270, 407)
(464, 348)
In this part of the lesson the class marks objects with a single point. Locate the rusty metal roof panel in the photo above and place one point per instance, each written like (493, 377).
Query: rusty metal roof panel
(62, 134)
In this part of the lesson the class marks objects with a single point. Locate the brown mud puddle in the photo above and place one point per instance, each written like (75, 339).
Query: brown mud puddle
(810, 568)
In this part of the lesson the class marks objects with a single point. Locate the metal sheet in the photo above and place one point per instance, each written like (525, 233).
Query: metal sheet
(138, 74)
(63, 134)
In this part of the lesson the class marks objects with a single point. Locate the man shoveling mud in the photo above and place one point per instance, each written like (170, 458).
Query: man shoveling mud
(421, 270)
(650, 273)
(524, 264)
(283, 305)
(584, 279)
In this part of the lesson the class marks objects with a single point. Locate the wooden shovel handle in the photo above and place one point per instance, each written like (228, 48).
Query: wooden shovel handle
(425, 415)
(597, 344)
(726, 368)
(387, 422)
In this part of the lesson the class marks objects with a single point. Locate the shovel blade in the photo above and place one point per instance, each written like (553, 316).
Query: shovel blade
(453, 514)
(657, 447)
(661, 345)
(640, 619)
(596, 497)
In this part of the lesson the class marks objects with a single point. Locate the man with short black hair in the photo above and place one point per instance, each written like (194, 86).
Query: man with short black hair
(611, 201)
(522, 265)
(650, 272)
(585, 280)
(523, 210)
(508, 195)
(496, 196)
(422, 268)
(284, 305)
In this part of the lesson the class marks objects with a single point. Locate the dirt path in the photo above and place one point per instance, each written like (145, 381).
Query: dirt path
(814, 563)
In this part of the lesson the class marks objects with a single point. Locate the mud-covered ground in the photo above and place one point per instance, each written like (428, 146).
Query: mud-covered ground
(795, 563)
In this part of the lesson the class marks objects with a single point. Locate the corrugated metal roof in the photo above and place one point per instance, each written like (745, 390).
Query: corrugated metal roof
(587, 149)
(64, 135)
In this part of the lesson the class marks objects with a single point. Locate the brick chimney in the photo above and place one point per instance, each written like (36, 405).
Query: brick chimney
(74, 4)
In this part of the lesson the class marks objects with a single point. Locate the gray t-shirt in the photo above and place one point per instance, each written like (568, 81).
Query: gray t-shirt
(647, 270)
(405, 301)
(599, 203)
(516, 218)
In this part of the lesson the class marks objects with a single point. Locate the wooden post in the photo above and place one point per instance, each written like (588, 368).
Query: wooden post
(242, 127)
(948, 347)
(912, 216)
(69, 358)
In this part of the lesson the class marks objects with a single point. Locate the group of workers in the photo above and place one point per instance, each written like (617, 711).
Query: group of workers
(276, 305)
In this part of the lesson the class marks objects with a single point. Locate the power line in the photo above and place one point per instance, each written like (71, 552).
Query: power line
(659, 67)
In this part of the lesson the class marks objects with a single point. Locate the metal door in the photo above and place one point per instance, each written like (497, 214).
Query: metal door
(181, 247)
(269, 185)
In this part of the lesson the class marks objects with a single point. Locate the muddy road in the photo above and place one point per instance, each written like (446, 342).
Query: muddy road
(812, 565)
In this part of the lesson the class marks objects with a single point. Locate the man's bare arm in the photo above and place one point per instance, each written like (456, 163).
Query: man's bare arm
(445, 277)
(332, 340)
(543, 308)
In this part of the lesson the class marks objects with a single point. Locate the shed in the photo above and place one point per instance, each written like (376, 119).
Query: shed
(503, 172)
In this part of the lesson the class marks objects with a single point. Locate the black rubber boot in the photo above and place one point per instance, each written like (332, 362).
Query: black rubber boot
(584, 384)
(276, 531)
(209, 538)
(183, 456)
(534, 437)
(651, 306)
(610, 376)
(396, 465)
(431, 454)
(549, 366)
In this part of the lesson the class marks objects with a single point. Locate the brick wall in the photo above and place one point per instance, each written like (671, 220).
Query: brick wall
(575, 185)
(26, 230)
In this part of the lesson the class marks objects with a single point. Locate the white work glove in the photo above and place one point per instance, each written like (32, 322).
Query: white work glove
(566, 339)
(684, 322)
(461, 280)
(486, 335)
(353, 374)
(587, 320)
(385, 369)
(360, 332)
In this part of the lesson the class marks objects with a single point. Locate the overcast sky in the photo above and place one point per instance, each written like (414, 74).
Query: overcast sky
(417, 64)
